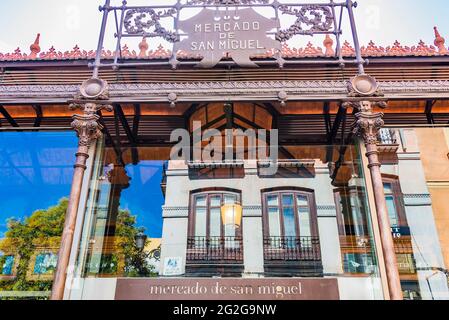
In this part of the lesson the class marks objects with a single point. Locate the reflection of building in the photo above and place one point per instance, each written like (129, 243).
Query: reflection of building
(413, 213)
(328, 217)
(41, 265)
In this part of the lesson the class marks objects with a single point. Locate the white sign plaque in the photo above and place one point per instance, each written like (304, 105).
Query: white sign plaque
(239, 34)
(173, 266)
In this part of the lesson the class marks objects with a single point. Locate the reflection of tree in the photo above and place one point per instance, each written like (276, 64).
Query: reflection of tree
(136, 262)
(42, 229)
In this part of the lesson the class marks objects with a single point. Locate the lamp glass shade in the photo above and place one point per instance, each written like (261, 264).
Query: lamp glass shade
(140, 240)
(231, 214)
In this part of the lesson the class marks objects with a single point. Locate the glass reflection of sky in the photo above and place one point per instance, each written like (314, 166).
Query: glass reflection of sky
(144, 197)
(36, 170)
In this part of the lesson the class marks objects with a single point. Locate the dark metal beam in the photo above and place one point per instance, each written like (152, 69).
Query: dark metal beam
(121, 116)
(136, 121)
(341, 157)
(8, 117)
(135, 133)
(341, 114)
(39, 115)
(116, 148)
(428, 111)
(327, 117)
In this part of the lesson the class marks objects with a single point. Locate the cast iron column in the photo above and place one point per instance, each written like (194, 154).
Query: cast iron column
(88, 131)
(367, 126)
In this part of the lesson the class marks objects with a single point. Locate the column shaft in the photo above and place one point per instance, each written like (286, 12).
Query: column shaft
(394, 283)
(69, 226)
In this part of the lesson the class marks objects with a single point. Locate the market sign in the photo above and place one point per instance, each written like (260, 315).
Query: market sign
(227, 289)
(239, 34)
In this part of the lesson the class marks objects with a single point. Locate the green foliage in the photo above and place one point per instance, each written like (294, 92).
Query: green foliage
(43, 228)
(136, 264)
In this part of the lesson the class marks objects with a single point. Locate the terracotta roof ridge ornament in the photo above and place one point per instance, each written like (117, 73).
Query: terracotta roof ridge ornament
(35, 48)
(143, 47)
(439, 42)
(328, 44)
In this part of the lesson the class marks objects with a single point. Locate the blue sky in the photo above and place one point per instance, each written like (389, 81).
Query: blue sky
(64, 23)
(37, 175)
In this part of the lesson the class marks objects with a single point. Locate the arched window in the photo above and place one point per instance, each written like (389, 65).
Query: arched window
(291, 241)
(213, 248)
(205, 214)
(289, 215)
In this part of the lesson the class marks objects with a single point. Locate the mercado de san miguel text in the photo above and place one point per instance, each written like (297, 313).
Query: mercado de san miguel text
(228, 163)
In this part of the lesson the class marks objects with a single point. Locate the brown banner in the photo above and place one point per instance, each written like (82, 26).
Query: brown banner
(227, 289)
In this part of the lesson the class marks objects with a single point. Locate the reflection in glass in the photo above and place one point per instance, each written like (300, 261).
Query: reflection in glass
(45, 263)
(36, 170)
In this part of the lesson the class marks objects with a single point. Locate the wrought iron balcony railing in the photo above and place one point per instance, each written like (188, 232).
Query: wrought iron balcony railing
(292, 249)
(215, 249)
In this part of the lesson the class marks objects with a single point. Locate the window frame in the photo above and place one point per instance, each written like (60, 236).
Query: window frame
(398, 197)
(210, 193)
(349, 191)
(309, 194)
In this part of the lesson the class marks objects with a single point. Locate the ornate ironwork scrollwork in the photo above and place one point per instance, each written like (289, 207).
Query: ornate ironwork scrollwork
(155, 254)
(316, 18)
(225, 2)
(147, 21)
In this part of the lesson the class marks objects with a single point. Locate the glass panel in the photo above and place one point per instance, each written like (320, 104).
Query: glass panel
(357, 217)
(215, 201)
(45, 263)
(201, 201)
(229, 230)
(272, 200)
(289, 222)
(215, 222)
(287, 200)
(230, 198)
(388, 188)
(274, 222)
(180, 256)
(200, 222)
(6, 265)
(391, 207)
(304, 222)
(302, 200)
(36, 171)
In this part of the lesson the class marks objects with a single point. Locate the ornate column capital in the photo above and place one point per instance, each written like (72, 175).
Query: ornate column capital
(92, 97)
(367, 126)
(368, 123)
(87, 128)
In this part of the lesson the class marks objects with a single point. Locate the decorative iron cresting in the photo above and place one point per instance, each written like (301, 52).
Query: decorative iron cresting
(316, 19)
(228, 29)
(147, 22)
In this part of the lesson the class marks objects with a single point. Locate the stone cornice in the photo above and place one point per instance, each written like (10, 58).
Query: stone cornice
(244, 90)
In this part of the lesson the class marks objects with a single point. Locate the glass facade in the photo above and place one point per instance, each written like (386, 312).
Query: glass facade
(310, 220)
(411, 175)
(148, 218)
(36, 169)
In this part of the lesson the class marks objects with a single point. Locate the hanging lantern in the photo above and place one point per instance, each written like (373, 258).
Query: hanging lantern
(141, 239)
(231, 214)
